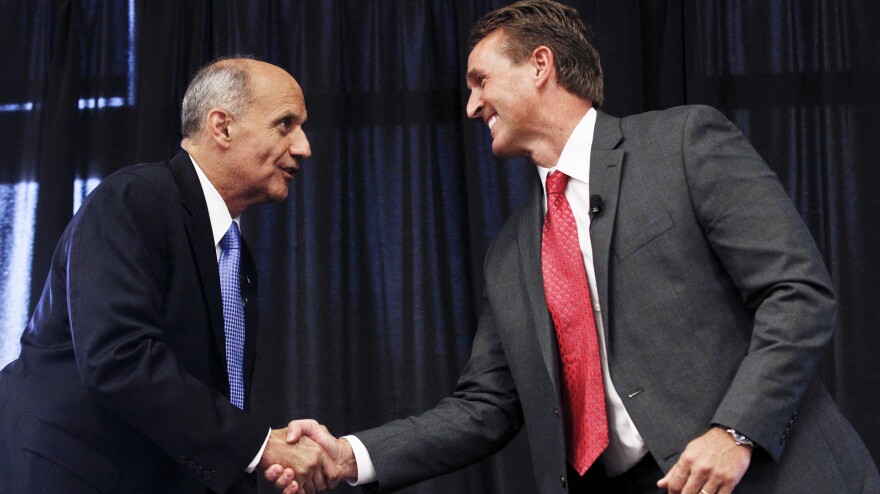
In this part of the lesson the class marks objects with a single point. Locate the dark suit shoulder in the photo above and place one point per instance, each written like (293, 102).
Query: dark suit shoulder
(157, 176)
(675, 113)
(671, 120)
(143, 188)
(666, 131)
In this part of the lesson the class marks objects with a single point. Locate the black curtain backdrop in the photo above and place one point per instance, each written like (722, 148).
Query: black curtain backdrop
(371, 272)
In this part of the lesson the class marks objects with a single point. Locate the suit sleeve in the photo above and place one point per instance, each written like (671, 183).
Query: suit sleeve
(476, 421)
(769, 253)
(115, 278)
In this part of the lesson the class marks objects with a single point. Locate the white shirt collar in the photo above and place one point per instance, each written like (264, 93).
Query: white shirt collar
(218, 212)
(575, 158)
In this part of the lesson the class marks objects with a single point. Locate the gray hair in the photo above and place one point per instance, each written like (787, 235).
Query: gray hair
(224, 83)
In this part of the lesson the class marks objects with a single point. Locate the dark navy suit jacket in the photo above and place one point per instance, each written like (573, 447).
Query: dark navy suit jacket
(121, 385)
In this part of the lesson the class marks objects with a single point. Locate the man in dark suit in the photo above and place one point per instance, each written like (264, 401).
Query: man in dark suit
(123, 382)
(654, 315)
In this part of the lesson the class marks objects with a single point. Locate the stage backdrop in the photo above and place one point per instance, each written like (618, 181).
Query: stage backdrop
(370, 274)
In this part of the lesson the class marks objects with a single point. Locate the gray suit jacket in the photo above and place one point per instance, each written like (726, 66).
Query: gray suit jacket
(716, 306)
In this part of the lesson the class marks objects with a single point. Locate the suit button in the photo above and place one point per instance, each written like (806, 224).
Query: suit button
(562, 479)
(556, 411)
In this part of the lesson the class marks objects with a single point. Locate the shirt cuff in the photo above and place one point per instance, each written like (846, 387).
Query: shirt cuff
(254, 463)
(366, 471)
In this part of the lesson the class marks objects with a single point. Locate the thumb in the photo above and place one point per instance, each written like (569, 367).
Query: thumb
(321, 435)
(294, 431)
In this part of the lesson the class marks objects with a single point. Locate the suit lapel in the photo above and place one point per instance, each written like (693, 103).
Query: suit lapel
(606, 163)
(251, 317)
(201, 242)
(530, 230)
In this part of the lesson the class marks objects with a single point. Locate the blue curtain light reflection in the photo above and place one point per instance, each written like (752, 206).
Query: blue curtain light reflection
(18, 206)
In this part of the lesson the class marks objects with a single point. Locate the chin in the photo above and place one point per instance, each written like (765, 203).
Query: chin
(279, 197)
(277, 194)
(502, 151)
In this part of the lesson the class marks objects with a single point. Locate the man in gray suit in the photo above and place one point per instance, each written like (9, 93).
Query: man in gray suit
(701, 308)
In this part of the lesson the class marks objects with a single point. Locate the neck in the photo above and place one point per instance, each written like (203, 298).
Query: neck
(562, 117)
(209, 166)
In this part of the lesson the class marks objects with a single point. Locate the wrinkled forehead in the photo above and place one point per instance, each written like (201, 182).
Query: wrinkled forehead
(276, 94)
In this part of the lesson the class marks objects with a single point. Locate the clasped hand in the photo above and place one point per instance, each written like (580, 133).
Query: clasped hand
(323, 460)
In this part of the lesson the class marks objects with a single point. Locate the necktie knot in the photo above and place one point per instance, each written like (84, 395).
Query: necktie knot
(556, 182)
(232, 239)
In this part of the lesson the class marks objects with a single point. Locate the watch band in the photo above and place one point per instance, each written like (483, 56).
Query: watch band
(739, 439)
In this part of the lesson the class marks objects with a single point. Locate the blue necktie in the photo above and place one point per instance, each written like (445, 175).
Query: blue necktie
(233, 312)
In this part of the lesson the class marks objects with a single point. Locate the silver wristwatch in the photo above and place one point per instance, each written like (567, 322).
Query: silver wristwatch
(740, 440)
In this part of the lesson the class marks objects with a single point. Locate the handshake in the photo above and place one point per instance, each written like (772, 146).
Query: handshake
(306, 458)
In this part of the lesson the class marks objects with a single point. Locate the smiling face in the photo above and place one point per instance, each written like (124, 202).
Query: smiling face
(267, 142)
(503, 95)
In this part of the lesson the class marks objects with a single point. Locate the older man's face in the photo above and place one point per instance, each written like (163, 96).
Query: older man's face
(269, 140)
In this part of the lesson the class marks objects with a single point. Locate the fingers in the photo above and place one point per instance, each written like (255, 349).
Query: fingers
(676, 478)
(314, 462)
(316, 432)
(696, 478)
(285, 479)
(301, 427)
(295, 429)
(695, 481)
(710, 464)
(282, 478)
(273, 473)
(316, 454)
(330, 470)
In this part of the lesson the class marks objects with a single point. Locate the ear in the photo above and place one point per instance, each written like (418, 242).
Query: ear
(219, 122)
(545, 68)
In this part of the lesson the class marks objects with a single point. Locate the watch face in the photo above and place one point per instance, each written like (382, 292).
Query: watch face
(740, 439)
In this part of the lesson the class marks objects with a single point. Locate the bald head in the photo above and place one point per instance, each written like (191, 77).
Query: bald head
(226, 84)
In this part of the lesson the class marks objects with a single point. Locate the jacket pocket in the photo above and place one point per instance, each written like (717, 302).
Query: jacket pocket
(635, 240)
(59, 446)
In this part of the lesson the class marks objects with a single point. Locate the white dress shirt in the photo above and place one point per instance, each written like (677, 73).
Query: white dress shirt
(218, 214)
(625, 445)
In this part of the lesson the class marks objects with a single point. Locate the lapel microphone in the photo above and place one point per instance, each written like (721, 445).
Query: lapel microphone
(595, 206)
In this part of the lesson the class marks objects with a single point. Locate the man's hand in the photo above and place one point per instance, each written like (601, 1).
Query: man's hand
(710, 464)
(303, 465)
(338, 450)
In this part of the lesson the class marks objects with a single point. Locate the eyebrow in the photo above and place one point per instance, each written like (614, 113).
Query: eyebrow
(473, 76)
(294, 116)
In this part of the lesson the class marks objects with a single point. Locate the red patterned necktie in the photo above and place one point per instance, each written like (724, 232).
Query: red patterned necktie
(567, 292)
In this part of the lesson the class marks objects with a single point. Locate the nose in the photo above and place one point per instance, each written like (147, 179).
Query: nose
(474, 105)
(300, 145)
